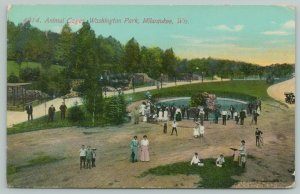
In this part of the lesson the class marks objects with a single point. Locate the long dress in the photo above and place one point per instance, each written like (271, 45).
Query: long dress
(165, 118)
(134, 146)
(145, 150)
(160, 115)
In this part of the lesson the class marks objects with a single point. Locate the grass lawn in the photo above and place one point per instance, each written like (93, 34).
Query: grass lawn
(240, 89)
(212, 176)
(38, 124)
(13, 67)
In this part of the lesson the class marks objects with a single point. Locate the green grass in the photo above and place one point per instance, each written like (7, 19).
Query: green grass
(39, 124)
(42, 123)
(243, 90)
(13, 67)
(212, 176)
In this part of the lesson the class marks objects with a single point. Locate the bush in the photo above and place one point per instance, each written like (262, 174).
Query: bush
(116, 109)
(30, 74)
(75, 114)
(12, 78)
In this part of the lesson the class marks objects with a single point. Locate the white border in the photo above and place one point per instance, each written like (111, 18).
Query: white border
(4, 3)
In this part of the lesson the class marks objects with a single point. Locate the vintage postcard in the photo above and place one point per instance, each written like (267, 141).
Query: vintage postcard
(132, 96)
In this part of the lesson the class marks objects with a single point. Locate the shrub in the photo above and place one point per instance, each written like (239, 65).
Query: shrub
(30, 74)
(116, 109)
(12, 78)
(75, 114)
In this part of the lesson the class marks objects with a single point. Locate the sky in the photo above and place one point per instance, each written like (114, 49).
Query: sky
(262, 35)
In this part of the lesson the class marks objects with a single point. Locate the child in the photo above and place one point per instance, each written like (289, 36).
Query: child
(93, 157)
(165, 127)
(220, 160)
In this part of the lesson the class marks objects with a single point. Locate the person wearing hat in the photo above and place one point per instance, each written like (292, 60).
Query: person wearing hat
(93, 157)
(29, 111)
(258, 134)
(145, 149)
(220, 160)
(242, 154)
(51, 112)
(63, 109)
(134, 147)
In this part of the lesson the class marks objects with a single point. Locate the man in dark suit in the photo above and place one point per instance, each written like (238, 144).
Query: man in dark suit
(242, 116)
(51, 112)
(29, 111)
(63, 109)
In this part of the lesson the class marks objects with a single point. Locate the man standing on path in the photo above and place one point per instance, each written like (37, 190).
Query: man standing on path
(63, 109)
(82, 154)
(51, 113)
(174, 127)
(242, 116)
(258, 134)
(242, 154)
(224, 116)
(29, 111)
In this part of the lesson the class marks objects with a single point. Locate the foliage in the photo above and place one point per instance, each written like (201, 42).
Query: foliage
(116, 109)
(75, 114)
(169, 62)
(212, 176)
(131, 58)
(12, 78)
(270, 79)
(198, 100)
(30, 74)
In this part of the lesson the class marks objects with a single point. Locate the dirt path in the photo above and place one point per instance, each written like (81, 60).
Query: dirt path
(277, 91)
(269, 165)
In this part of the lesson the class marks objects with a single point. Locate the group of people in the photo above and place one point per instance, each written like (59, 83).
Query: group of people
(197, 161)
(241, 157)
(87, 157)
(51, 112)
(139, 149)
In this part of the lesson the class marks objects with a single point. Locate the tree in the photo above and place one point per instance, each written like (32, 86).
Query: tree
(131, 59)
(86, 67)
(64, 54)
(169, 62)
(151, 61)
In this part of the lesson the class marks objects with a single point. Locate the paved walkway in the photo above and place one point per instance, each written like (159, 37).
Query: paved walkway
(14, 117)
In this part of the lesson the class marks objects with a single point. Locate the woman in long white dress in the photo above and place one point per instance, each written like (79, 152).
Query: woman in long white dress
(160, 115)
(196, 132)
(166, 115)
(201, 130)
(144, 156)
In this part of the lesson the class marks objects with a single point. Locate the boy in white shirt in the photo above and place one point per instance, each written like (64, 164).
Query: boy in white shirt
(220, 160)
(196, 160)
(82, 155)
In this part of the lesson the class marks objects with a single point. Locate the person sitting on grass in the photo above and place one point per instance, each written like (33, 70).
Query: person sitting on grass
(196, 160)
(220, 160)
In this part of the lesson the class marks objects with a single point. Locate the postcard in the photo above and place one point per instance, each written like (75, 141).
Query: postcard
(150, 96)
